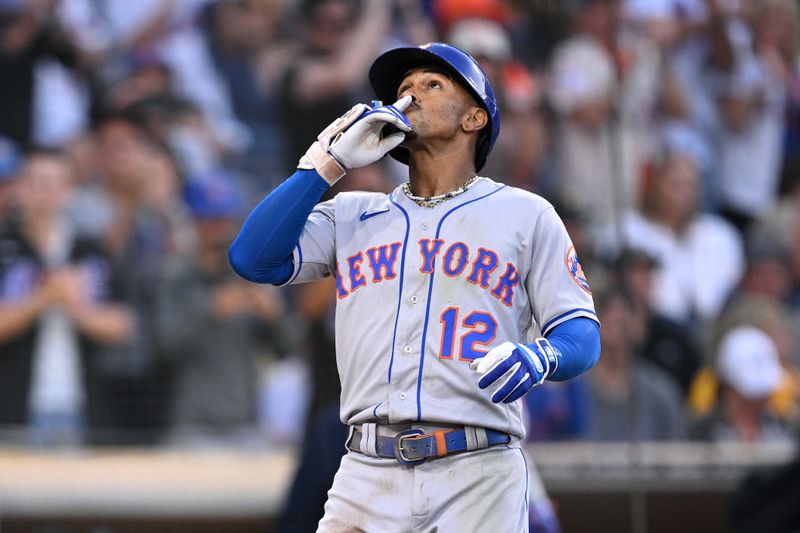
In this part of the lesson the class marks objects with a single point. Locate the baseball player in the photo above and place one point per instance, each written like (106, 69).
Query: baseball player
(456, 295)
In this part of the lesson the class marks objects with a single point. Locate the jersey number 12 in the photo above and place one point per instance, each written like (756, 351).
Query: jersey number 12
(478, 328)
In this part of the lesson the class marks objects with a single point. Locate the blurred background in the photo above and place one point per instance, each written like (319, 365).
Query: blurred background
(145, 387)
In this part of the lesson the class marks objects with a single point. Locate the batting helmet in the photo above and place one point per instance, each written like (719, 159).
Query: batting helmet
(389, 69)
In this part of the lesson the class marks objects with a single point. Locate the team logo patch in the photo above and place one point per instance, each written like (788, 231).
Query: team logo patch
(576, 271)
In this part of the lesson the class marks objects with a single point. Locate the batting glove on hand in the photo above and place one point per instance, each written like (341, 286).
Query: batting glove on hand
(517, 367)
(354, 140)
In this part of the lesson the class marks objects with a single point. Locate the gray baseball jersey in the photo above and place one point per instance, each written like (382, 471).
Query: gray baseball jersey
(422, 292)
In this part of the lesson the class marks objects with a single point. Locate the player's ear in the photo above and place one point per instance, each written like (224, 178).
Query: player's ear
(474, 119)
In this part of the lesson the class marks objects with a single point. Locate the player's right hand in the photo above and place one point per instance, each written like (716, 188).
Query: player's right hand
(362, 143)
(354, 140)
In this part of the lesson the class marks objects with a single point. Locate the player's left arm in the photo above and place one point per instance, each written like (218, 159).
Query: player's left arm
(569, 349)
(563, 307)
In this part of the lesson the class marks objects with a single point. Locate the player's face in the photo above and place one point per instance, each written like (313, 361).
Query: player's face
(441, 108)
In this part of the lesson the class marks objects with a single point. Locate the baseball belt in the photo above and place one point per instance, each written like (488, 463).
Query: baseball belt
(414, 447)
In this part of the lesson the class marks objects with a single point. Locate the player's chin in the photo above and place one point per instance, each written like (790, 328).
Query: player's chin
(418, 133)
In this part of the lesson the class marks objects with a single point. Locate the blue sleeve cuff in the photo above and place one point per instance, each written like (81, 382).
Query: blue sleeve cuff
(578, 340)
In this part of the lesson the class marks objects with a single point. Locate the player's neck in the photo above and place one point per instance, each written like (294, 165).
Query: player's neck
(431, 176)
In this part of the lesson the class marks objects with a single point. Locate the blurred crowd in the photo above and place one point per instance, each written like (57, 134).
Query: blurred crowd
(136, 135)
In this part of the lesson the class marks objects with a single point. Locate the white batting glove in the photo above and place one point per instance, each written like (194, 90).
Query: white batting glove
(354, 140)
(516, 367)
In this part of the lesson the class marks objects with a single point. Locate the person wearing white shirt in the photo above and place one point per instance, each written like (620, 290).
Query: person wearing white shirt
(700, 255)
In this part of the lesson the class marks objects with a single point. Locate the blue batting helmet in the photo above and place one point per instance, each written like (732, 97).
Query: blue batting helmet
(389, 69)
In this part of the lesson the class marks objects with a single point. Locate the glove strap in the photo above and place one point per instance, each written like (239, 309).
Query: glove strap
(319, 156)
(550, 356)
(323, 162)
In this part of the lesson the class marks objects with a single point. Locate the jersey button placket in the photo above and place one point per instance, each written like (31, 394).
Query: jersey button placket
(405, 367)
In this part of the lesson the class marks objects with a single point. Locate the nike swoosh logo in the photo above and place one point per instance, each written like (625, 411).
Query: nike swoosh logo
(364, 216)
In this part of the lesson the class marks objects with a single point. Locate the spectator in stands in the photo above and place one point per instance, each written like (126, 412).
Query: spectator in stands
(132, 203)
(764, 298)
(700, 256)
(787, 46)
(749, 372)
(213, 327)
(769, 269)
(778, 234)
(132, 199)
(60, 307)
(412, 23)
(146, 76)
(146, 97)
(519, 154)
(168, 32)
(29, 33)
(670, 345)
(700, 53)
(10, 160)
(602, 91)
(535, 29)
(753, 103)
(630, 397)
(338, 40)
(248, 46)
(752, 310)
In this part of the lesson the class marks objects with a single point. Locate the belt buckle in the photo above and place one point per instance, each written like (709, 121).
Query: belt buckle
(398, 447)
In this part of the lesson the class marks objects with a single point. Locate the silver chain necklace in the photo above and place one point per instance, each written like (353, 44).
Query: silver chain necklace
(432, 201)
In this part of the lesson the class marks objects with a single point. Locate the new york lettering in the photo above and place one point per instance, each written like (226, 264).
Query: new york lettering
(481, 267)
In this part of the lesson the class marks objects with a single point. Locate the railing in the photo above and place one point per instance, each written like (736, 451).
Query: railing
(682, 466)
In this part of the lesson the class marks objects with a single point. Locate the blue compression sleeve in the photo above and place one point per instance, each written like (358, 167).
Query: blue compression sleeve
(262, 251)
(578, 340)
